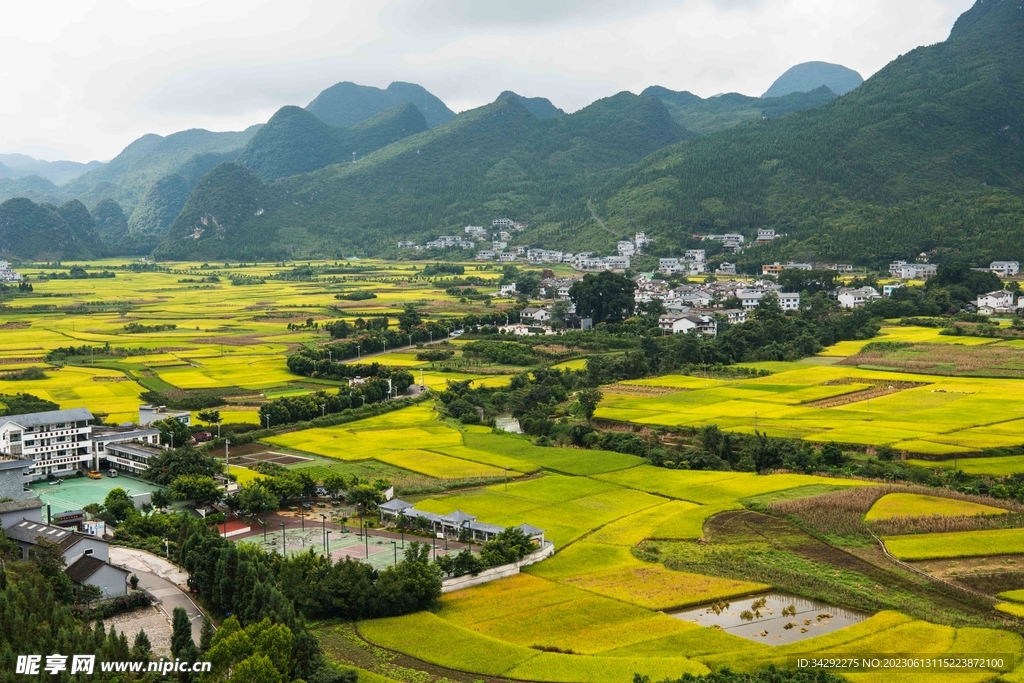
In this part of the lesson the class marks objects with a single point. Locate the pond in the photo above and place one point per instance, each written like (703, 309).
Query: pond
(773, 618)
(507, 423)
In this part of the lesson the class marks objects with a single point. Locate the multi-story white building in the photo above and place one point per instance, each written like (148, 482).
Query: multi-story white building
(765, 235)
(57, 441)
(8, 275)
(1001, 268)
(506, 223)
(727, 269)
(789, 301)
(626, 248)
(128, 451)
(996, 302)
(912, 271)
(485, 255)
(477, 232)
(698, 255)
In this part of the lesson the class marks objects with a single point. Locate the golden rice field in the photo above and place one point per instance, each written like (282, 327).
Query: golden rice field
(918, 505)
(226, 336)
(594, 610)
(940, 417)
(957, 544)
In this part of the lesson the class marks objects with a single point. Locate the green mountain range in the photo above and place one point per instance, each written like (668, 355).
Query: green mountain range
(926, 154)
(499, 159)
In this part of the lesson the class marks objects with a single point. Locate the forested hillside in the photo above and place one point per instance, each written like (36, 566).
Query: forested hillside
(47, 232)
(495, 160)
(927, 154)
(704, 116)
(295, 141)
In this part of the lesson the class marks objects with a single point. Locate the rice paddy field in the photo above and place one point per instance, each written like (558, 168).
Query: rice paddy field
(918, 505)
(595, 611)
(232, 338)
(920, 414)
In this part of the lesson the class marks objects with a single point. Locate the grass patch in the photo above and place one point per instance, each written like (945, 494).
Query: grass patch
(657, 588)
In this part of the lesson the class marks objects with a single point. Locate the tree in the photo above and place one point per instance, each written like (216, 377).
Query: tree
(170, 465)
(209, 416)
(256, 499)
(832, 454)
(206, 635)
(559, 311)
(589, 400)
(173, 432)
(160, 498)
(195, 487)
(141, 648)
(409, 318)
(606, 297)
(134, 581)
(365, 496)
(118, 504)
(181, 632)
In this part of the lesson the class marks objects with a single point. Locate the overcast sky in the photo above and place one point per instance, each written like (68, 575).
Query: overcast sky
(80, 79)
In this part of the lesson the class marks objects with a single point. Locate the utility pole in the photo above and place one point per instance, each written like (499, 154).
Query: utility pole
(227, 442)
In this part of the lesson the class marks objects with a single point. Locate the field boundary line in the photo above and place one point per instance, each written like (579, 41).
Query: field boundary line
(926, 575)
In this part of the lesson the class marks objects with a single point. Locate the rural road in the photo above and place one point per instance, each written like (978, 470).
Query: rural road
(163, 580)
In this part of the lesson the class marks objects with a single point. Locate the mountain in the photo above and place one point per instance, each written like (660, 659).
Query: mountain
(346, 104)
(540, 107)
(45, 232)
(228, 212)
(111, 224)
(295, 141)
(57, 172)
(131, 173)
(497, 160)
(704, 116)
(160, 206)
(31, 187)
(811, 76)
(926, 154)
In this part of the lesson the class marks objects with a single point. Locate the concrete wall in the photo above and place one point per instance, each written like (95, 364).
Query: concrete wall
(11, 518)
(100, 549)
(111, 578)
(495, 573)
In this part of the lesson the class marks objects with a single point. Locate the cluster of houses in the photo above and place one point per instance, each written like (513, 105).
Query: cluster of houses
(8, 275)
(776, 268)
(999, 302)
(499, 236)
(692, 263)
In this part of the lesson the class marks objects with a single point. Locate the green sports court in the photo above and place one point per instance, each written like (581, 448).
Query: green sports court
(76, 493)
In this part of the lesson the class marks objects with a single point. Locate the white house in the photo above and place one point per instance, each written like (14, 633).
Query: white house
(87, 557)
(855, 298)
(912, 271)
(626, 248)
(726, 269)
(695, 255)
(887, 290)
(998, 302)
(485, 255)
(1001, 268)
(539, 315)
(765, 235)
(508, 290)
(681, 323)
(8, 275)
(789, 301)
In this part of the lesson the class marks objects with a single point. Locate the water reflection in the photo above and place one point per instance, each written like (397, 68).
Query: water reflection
(773, 618)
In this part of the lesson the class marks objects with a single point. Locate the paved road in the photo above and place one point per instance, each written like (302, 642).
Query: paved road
(164, 581)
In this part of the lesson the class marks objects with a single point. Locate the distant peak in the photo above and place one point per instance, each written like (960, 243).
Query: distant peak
(540, 107)
(811, 76)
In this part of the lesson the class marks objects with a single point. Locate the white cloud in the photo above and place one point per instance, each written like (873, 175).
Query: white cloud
(83, 79)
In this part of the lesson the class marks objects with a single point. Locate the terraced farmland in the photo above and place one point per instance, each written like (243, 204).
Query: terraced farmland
(923, 414)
